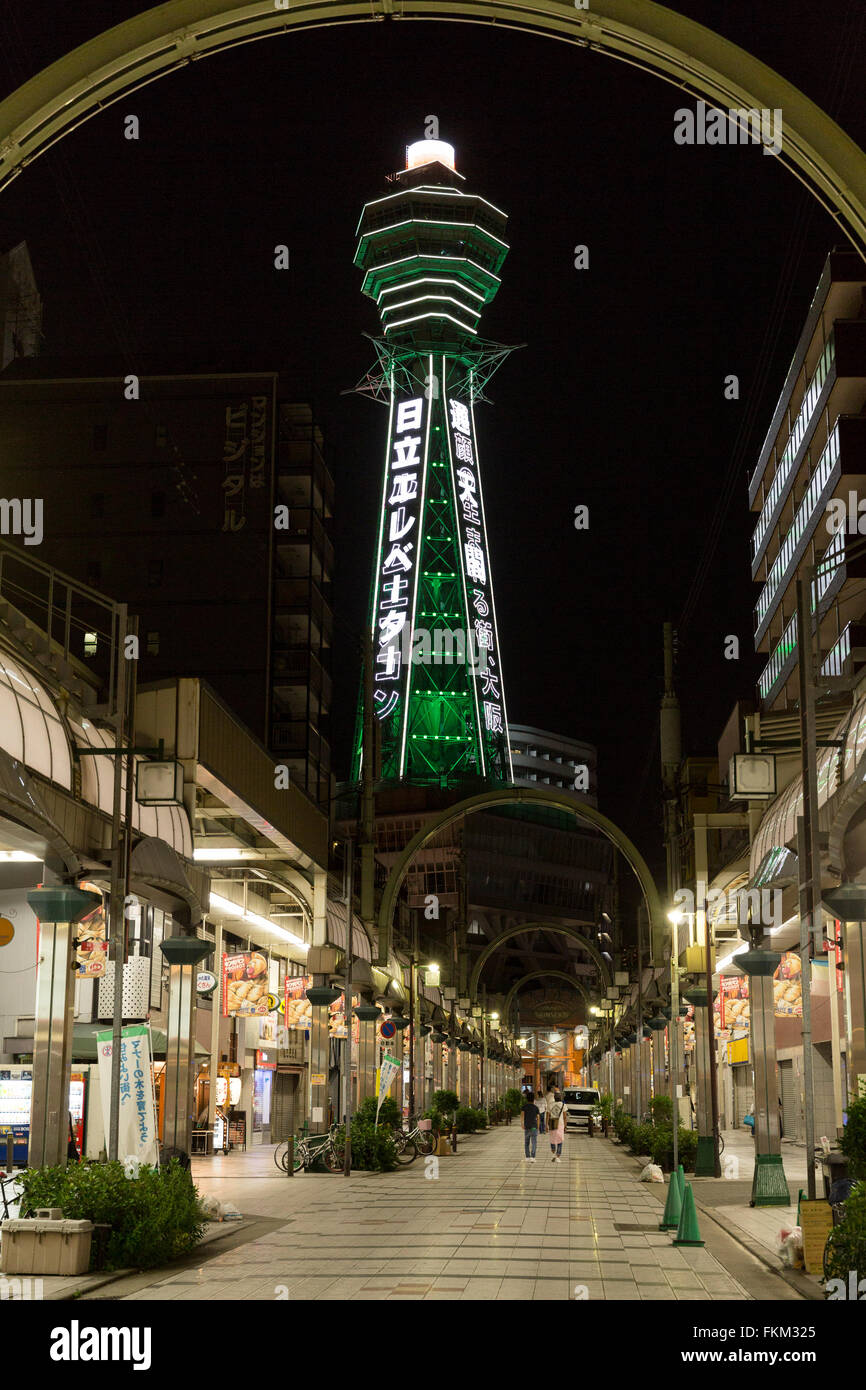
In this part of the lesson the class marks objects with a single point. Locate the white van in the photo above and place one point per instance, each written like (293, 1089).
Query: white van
(582, 1106)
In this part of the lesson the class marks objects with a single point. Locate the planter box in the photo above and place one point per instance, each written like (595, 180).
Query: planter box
(45, 1247)
(443, 1148)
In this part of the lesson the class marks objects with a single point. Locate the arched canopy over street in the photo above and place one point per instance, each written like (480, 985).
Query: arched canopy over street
(542, 975)
(695, 59)
(503, 796)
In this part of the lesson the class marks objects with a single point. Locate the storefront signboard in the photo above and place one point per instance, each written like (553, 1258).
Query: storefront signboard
(91, 939)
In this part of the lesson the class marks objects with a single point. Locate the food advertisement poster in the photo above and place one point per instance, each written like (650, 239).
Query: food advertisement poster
(299, 1010)
(245, 984)
(91, 939)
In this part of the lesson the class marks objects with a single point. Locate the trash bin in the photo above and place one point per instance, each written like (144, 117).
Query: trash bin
(834, 1166)
(45, 1247)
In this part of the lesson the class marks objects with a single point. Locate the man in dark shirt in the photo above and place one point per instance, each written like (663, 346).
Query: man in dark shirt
(530, 1127)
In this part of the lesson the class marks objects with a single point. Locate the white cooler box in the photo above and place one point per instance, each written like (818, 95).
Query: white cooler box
(45, 1247)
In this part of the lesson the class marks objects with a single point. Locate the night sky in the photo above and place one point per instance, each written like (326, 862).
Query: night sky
(164, 247)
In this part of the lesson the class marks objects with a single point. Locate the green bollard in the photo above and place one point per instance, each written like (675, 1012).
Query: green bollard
(687, 1231)
(673, 1206)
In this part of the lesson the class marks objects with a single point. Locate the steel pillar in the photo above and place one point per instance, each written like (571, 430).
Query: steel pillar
(52, 1047)
(769, 1187)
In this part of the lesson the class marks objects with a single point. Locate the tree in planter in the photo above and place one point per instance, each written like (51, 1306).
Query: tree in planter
(662, 1109)
(447, 1103)
(389, 1112)
(373, 1147)
(846, 1244)
(512, 1101)
(853, 1141)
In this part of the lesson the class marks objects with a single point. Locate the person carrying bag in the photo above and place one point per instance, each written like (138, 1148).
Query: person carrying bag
(556, 1117)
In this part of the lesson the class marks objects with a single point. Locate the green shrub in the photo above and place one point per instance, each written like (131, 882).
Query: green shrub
(373, 1147)
(154, 1217)
(622, 1124)
(389, 1113)
(662, 1147)
(846, 1244)
(853, 1141)
(661, 1109)
(512, 1101)
(466, 1120)
(446, 1101)
(606, 1105)
(641, 1138)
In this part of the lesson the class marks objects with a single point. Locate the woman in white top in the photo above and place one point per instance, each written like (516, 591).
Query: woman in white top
(541, 1105)
(556, 1117)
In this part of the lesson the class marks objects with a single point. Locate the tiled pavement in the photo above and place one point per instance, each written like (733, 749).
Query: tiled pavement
(489, 1226)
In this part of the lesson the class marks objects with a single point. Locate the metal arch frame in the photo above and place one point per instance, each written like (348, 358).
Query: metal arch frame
(538, 974)
(560, 927)
(646, 35)
(532, 796)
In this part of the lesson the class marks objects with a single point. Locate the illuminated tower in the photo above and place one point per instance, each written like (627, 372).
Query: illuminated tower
(431, 253)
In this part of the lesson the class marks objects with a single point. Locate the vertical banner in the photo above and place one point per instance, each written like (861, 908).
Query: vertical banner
(398, 556)
(483, 640)
(137, 1135)
(388, 1070)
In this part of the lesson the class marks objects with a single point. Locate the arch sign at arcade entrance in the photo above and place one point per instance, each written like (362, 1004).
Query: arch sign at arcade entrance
(699, 62)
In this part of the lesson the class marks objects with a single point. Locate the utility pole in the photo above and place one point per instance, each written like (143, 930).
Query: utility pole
(117, 930)
(349, 1016)
(809, 853)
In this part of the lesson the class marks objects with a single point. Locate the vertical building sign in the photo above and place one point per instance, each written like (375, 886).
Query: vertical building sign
(482, 637)
(399, 554)
(244, 457)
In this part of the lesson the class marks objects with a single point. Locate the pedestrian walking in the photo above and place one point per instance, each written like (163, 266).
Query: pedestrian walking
(556, 1116)
(541, 1103)
(530, 1128)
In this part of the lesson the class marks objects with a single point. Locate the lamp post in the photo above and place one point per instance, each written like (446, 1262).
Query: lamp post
(673, 1044)
(183, 953)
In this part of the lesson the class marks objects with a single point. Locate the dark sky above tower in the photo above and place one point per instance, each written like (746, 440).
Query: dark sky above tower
(702, 263)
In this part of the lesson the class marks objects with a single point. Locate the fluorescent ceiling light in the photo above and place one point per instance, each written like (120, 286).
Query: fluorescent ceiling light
(222, 905)
(206, 855)
(18, 856)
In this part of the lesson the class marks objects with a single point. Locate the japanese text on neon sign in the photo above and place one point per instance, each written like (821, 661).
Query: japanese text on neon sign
(471, 528)
(400, 550)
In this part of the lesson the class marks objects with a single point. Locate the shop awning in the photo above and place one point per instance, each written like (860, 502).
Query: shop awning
(84, 1043)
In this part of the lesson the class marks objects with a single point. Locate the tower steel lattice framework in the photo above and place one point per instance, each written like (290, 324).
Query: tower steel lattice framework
(431, 254)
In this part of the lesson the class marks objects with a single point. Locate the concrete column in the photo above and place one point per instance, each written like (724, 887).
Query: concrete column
(645, 1072)
(57, 910)
(319, 1040)
(659, 1081)
(183, 954)
(769, 1187)
(854, 955)
(703, 1057)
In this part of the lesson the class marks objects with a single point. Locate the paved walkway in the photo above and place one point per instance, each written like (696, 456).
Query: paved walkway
(481, 1224)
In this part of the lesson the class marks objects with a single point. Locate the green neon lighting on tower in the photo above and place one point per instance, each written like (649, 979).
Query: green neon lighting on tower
(431, 255)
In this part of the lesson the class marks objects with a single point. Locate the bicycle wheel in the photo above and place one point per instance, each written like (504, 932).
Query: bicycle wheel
(406, 1148)
(426, 1141)
(281, 1156)
(334, 1157)
(300, 1159)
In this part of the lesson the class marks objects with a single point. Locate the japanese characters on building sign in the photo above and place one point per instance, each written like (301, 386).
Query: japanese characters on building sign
(476, 568)
(244, 443)
(399, 550)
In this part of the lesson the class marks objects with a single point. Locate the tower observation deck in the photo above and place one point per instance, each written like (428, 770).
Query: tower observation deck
(431, 254)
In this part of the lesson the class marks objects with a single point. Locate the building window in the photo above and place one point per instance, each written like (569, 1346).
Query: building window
(94, 572)
(100, 437)
(157, 504)
(97, 504)
(90, 644)
(153, 644)
(154, 573)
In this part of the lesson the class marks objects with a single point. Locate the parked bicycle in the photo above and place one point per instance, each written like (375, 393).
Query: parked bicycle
(327, 1147)
(412, 1142)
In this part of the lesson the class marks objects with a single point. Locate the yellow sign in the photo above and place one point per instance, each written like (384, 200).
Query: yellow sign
(317, 1078)
(7, 931)
(816, 1223)
(738, 1050)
